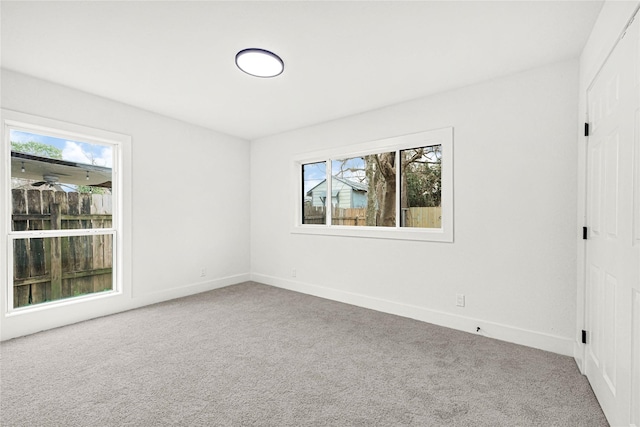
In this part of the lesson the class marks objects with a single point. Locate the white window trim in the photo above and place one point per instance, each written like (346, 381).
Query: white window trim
(122, 146)
(443, 137)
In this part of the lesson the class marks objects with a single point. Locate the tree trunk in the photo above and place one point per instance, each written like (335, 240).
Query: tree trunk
(386, 163)
(371, 191)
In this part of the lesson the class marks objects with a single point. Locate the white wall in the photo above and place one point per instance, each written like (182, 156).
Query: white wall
(189, 194)
(608, 27)
(514, 255)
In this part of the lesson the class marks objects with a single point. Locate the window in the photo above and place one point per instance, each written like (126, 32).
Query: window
(421, 187)
(400, 188)
(315, 193)
(364, 188)
(64, 212)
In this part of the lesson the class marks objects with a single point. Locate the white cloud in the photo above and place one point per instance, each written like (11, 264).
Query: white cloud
(107, 156)
(88, 154)
(73, 152)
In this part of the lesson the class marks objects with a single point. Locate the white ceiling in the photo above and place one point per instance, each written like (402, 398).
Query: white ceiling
(341, 58)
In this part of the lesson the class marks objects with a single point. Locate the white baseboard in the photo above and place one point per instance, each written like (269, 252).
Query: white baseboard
(556, 344)
(539, 340)
(54, 316)
(187, 290)
(578, 355)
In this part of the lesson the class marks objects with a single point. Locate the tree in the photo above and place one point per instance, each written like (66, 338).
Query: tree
(372, 201)
(37, 149)
(422, 177)
(420, 184)
(386, 187)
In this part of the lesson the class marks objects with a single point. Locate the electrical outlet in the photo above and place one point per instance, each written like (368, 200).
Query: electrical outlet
(293, 272)
(203, 272)
(460, 300)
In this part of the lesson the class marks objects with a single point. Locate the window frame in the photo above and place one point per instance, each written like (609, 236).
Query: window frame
(442, 136)
(120, 143)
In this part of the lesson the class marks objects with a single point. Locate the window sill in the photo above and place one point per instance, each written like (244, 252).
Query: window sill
(391, 233)
(62, 303)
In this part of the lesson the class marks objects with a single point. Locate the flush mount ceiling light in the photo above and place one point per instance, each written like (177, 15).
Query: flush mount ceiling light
(259, 62)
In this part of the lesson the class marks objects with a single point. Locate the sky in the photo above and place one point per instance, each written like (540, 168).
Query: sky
(315, 173)
(73, 151)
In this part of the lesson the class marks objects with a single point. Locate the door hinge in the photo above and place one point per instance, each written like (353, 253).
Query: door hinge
(584, 336)
(586, 129)
(585, 233)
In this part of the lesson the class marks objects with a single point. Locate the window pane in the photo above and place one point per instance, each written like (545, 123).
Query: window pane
(58, 183)
(349, 190)
(314, 193)
(54, 268)
(364, 190)
(421, 187)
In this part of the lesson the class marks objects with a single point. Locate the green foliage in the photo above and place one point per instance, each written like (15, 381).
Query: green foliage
(423, 174)
(424, 186)
(90, 189)
(37, 149)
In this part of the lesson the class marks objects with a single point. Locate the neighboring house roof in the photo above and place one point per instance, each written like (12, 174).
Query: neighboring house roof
(358, 186)
(353, 184)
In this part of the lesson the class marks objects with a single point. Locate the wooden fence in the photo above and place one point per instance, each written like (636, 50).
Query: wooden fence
(349, 216)
(429, 217)
(421, 217)
(313, 215)
(52, 268)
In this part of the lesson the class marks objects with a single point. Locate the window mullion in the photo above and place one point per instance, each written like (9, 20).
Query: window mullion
(329, 196)
(28, 234)
(398, 189)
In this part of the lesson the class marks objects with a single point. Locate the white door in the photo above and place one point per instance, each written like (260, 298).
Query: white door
(613, 220)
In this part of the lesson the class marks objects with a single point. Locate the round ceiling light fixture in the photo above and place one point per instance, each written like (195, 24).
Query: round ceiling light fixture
(259, 62)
